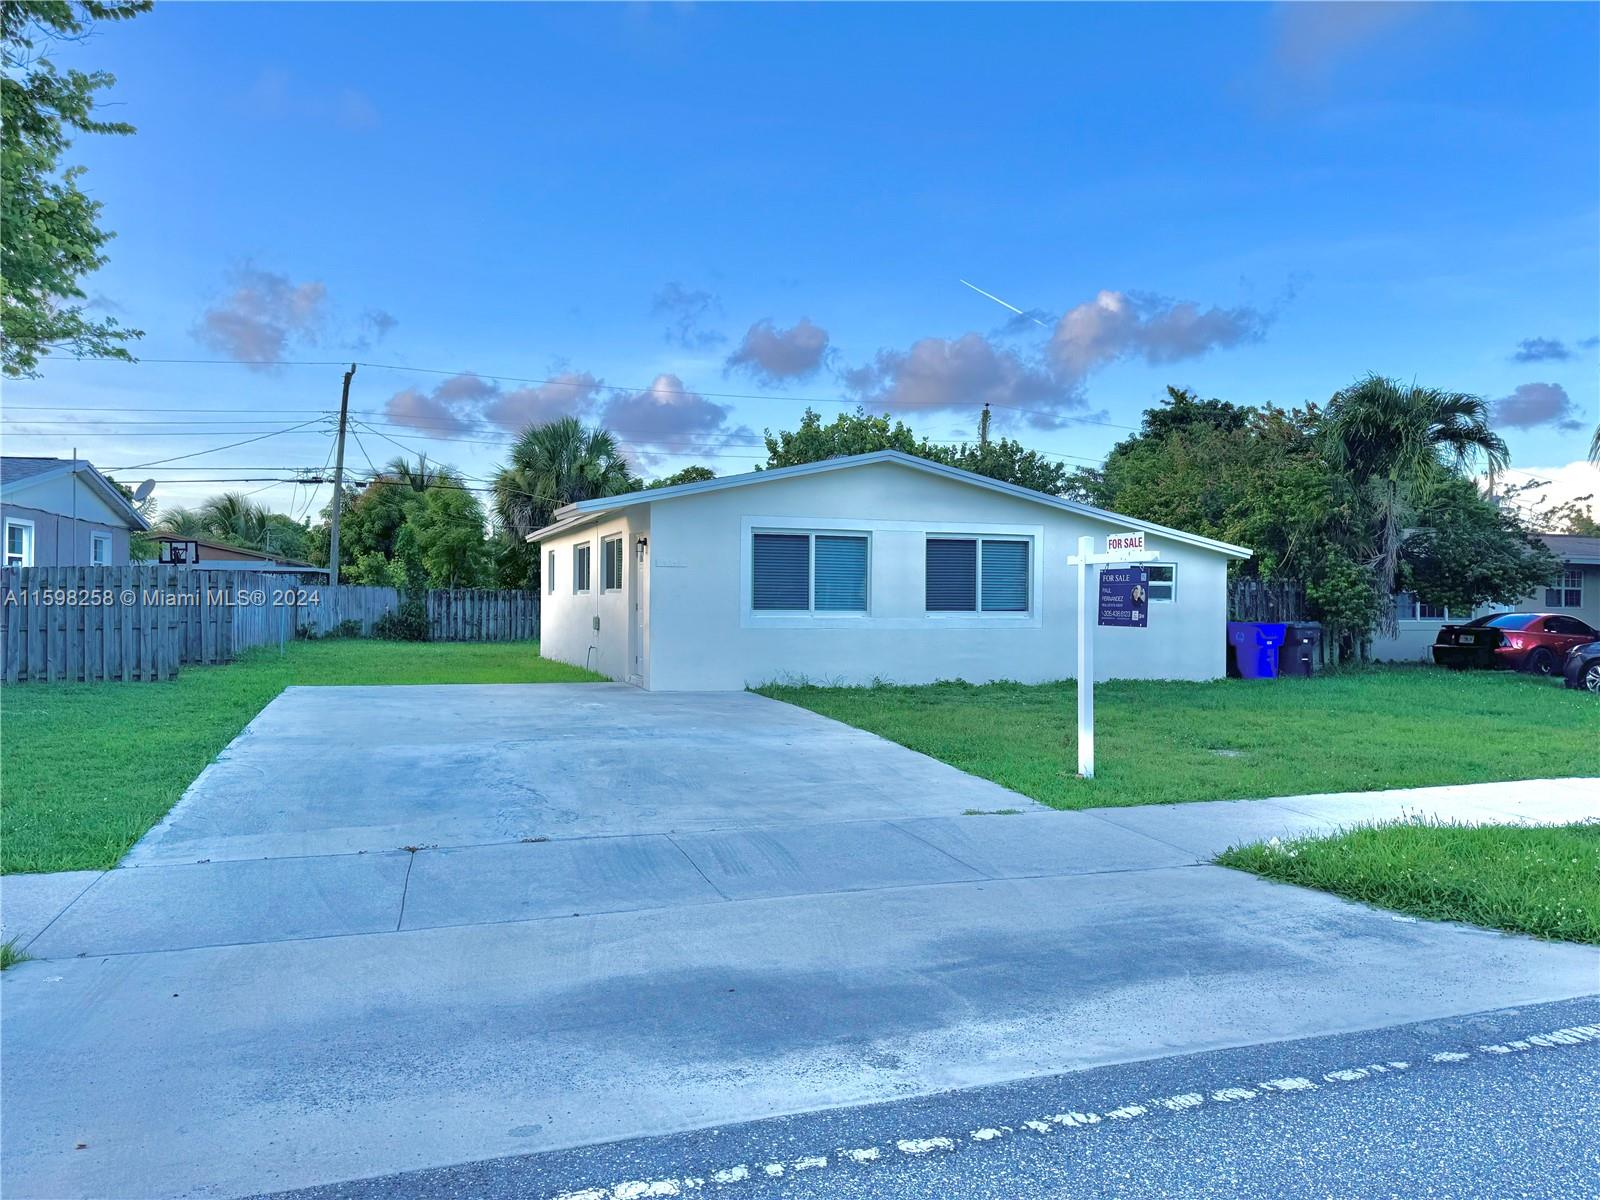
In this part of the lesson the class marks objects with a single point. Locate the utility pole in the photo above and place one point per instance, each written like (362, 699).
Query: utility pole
(983, 427)
(338, 484)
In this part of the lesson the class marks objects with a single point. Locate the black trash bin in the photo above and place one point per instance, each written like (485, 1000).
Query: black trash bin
(1302, 649)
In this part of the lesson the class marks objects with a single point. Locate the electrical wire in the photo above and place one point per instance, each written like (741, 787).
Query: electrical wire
(214, 449)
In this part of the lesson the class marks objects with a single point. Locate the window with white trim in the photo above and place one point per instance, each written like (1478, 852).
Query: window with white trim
(808, 572)
(977, 575)
(1162, 582)
(100, 549)
(1408, 608)
(550, 570)
(580, 569)
(1566, 591)
(19, 542)
(611, 565)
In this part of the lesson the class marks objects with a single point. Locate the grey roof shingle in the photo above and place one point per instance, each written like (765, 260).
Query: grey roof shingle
(13, 469)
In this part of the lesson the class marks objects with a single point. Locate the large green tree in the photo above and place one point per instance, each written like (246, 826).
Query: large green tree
(415, 524)
(50, 231)
(1392, 440)
(860, 432)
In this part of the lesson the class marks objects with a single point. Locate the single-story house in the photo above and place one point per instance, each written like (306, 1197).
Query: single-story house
(61, 512)
(1575, 592)
(875, 566)
(180, 550)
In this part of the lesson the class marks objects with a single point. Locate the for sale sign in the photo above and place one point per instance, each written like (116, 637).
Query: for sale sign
(1125, 596)
(1125, 543)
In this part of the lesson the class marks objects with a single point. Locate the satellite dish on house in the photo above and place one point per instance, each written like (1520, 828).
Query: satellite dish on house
(142, 492)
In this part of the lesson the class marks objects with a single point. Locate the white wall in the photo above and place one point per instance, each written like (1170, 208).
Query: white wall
(704, 636)
(566, 620)
(1413, 640)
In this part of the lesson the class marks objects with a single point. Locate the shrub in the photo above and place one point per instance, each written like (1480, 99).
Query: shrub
(408, 623)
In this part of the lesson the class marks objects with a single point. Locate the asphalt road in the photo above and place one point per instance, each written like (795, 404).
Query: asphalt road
(1502, 1104)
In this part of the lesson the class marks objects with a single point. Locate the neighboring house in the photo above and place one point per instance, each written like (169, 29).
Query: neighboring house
(877, 566)
(176, 549)
(60, 512)
(1575, 592)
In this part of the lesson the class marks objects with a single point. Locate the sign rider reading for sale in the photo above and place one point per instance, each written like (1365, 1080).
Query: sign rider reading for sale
(1123, 594)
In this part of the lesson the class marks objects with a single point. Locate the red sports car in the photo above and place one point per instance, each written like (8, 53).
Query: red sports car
(1533, 642)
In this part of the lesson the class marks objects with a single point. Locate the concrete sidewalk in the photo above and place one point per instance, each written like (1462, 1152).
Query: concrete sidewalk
(554, 962)
(244, 901)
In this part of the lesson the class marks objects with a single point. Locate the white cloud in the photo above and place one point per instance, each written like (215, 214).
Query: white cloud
(571, 394)
(262, 316)
(936, 373)
(773, 355)
(1117, 325)
(1534, 404)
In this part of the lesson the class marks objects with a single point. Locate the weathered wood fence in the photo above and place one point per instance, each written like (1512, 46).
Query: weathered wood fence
(83, 624)
(1266, 600)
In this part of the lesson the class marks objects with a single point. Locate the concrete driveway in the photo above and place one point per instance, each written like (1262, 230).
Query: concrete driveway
(399, 927)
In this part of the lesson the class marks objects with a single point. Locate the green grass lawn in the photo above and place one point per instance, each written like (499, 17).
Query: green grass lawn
(1539, 880)
(1161, 742)
(86, 769)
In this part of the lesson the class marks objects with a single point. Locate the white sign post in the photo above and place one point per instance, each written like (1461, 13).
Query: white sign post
(1120, 548)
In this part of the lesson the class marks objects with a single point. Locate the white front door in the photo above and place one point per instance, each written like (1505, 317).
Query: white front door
(639, 635)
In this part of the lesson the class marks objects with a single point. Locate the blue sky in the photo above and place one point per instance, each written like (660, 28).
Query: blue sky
(689, 220)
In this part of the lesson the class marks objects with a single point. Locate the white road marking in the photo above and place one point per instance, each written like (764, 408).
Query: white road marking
(923, 1145)
(1183, 1102)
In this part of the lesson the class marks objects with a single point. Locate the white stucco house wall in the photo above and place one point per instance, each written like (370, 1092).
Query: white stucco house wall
(1574, 592)
(877, 566)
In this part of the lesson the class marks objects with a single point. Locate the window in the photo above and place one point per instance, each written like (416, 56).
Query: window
(980, 574)
(580, 569)
(1408, 608)
(611, 565)
(808, 572)
(1163, 582)
(1567, 625)
(1566, 591)
(19, 543)
(550, 572)
(100, 549)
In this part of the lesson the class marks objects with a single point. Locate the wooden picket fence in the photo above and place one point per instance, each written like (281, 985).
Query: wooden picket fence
(472, 615)
(1266, 600)
(85, 624)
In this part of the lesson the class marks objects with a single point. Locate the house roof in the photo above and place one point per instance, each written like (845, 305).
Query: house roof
(19, 472)
(573, 516)
(1573, 548)
(242, 551)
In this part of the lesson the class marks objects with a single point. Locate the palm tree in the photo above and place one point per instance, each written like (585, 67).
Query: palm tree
(1389, 437)
(233, 518)
(185, 522)
(554, 464)
(418, 478)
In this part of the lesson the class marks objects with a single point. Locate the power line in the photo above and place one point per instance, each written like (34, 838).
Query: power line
(609, 387)
(214, 449)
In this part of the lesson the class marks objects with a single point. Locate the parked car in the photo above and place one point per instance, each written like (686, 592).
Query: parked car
(1534, 642)
(1583, 667)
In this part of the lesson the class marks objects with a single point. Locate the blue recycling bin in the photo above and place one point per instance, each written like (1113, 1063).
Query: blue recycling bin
(1255, 647)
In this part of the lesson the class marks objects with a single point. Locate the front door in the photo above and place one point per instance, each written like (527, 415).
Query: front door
(639, 635)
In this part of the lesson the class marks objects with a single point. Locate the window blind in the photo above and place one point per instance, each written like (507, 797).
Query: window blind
(952, 575)
(1005, 576)
(781, 569)
(841, 573)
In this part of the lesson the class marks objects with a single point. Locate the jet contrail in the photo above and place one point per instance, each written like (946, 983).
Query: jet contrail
(1003, 304)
